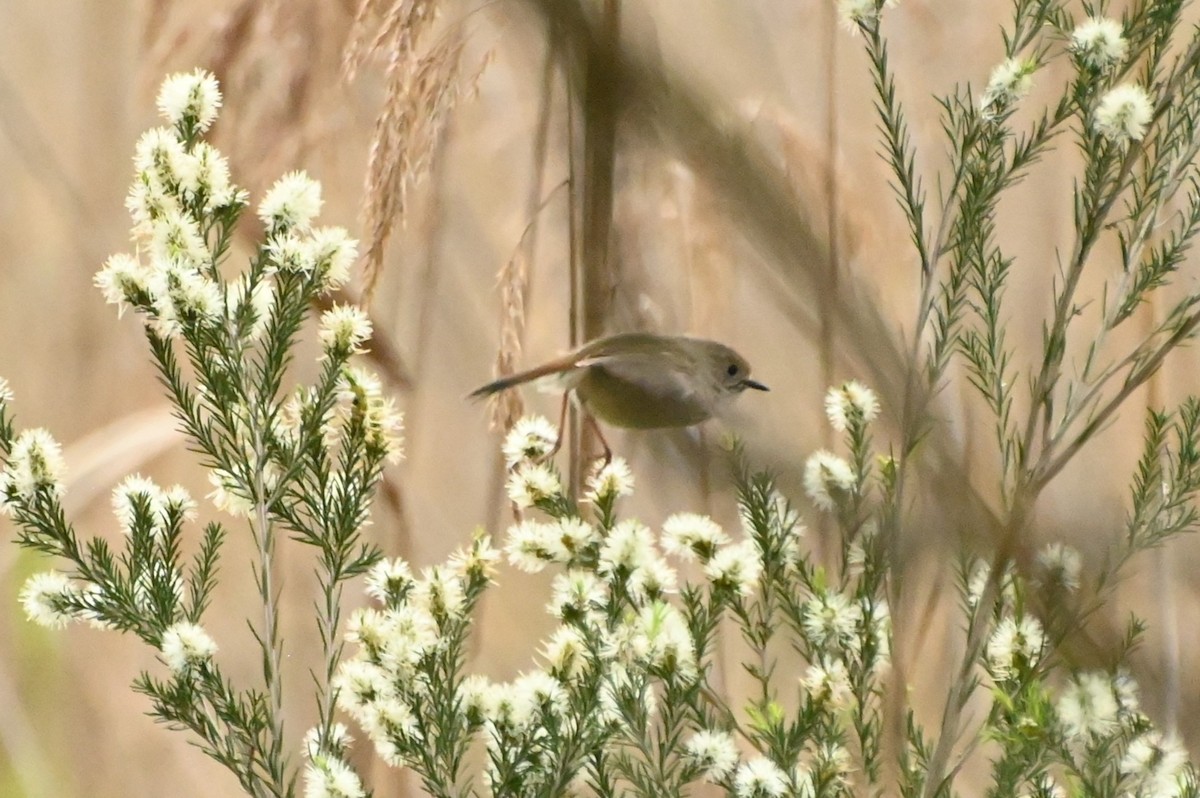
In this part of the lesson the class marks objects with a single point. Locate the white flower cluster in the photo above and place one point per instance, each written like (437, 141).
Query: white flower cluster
(1008, 83)
(1097, 711)
(828, 479)
(181, 196)
(1123, 114)
(383, 681)
(1015, 648)
(186, 646)
(1099, 43)
(35, 463)
(857, 12)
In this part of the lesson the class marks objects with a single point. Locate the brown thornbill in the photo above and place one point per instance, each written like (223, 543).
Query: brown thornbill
(643, 380)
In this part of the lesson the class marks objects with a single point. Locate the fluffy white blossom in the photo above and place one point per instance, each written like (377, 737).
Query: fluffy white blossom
(193, 96)
(531, 438)
(831, 619)
(1099, 42)
(827, 478)
(134, 491)
(828, 681)
(531, 545)
(389, 581)
(533, 482)
(629, 546)
(715, 752)
(577, 594)
(1123, 114)
(610, 481)
(331, 252)
(344, 329)
(566, 653)
(1088, 706)
(6, 394)
(440, 593)
(1009, 82)
(854, 12)
(42, 598)
(331, 777)
(361, 398)
(1155, 766)
(292, 203)
(760, 778)
(659, 639)
(1014, 646)
(849, 403)
(688, 535)
(1061, 566)
(227, 494)
(35, 462)
(736, 567)
(186, 645)
(122, 280)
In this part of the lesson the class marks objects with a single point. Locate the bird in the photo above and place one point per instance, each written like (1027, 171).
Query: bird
(641, 380)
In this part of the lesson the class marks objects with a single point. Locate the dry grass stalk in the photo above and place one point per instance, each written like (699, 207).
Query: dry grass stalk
(506, 407)
(422, 85)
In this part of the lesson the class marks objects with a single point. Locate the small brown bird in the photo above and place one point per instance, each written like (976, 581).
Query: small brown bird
(643, 380)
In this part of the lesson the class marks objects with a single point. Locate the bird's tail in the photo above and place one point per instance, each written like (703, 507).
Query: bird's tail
(520, 378)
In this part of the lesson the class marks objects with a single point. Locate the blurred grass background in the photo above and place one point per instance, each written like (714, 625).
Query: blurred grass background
(746, 205)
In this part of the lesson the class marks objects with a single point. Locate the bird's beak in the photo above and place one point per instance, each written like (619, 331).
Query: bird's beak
(758, 386)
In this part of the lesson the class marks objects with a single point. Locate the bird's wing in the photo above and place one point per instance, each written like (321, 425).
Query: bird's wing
(648, 370)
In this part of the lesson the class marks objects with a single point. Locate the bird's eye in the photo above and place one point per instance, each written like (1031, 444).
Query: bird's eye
(732, 370)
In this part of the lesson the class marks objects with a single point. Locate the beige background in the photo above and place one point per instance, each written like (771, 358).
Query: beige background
(818, 286)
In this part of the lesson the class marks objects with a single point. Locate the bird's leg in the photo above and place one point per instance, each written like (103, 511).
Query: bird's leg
(591, 420)
(562, 425)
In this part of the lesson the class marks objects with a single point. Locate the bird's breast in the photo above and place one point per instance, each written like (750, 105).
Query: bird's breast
(648, 401)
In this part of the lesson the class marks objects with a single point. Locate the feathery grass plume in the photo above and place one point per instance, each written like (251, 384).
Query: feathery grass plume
(423, 82)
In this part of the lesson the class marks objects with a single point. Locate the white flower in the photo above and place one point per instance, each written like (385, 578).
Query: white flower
(827, 478)
(1123, 113)
(735, 567)
(1156, 766)
(566, 653)
(339, 740)
(292, 203)
(1015, 646)
(331, 252)
(828, 680)
(610, 481)
(358, 683)
(830, 619)
(360, 394)
(1062, 565)
(1099, 42)
(577, 594)
(42, 598)
(158, 158)
(205, 172)
(343, 329)
(186, 645)
(175, 238)
(389, 581)
(541, 691)
(531, 438)
(194, 96)
(228, 495)
(122, 279)
(330, 777)
(715, 752)
(533, 544)
(136, 491)
(688, 535)
(35, 462)
(1088, 706)
(1009, 82)
(760, 778)
(659, 639)
(629, 546)
(850, 403)
(854, 12)
(440, 593)
(531, 483)
(6, 394)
